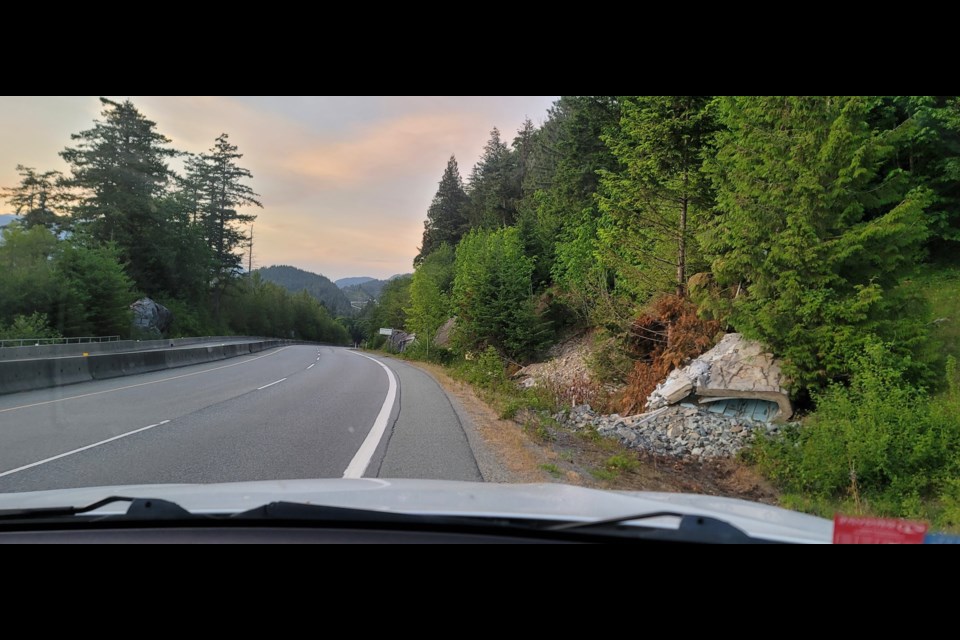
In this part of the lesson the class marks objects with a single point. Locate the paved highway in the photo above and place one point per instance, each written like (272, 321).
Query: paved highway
(292, 412)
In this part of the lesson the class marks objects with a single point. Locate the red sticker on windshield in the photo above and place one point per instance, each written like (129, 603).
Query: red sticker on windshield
(857, 530)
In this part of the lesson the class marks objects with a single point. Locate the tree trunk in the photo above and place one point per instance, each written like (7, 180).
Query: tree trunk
(682, 251)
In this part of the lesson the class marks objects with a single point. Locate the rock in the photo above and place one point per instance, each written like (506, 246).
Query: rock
(673, 391)
(150, 317)
(734, 368)
(444, 333)
(675, 431)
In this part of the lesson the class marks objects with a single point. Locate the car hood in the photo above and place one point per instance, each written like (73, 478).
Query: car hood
(442, 497)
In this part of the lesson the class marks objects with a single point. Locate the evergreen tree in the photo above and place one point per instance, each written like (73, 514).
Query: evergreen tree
(659, 193)
(492, 294)
(217, 182)
(430, 295)
(446, 218)
(120, 168)
(810, 240)
(570, 153)
(38, 198)
(493, 194)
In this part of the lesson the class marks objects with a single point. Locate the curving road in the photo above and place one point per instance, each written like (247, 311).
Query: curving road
(292, 412)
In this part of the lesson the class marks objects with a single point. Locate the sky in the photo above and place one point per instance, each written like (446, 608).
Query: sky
(345, 181)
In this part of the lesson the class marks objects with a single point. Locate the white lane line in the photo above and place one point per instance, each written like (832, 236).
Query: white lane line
(311, 366)
(89, 446)
(318, 358)
(358, 466)
(271, 384)
(141, 384)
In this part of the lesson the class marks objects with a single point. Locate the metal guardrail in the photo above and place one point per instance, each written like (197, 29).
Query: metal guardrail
(36, 342)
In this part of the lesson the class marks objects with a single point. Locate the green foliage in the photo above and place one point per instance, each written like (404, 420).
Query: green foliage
(35, 325)
(657, 196)
(939, 288)
(809, 240)
(493, 186)
(217, 184)
(485, 369)
(879, 442)
(552, 469)
(120, 169)
(95, 292)
(571, 156)
(926, 133)
(447, 216)
(39, 198)
(28, 283)
(492, 295)
(253, 306)
(321, 288)
(430, 296)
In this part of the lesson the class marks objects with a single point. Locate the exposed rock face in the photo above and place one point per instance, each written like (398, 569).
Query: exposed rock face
(735, 368)
(444, 333)
(150, 317)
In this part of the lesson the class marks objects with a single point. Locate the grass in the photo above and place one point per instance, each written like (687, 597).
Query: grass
(552, 469)
(941, 288)
(614, 466)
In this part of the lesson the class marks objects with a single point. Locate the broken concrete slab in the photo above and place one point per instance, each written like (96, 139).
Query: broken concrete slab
(734, 368)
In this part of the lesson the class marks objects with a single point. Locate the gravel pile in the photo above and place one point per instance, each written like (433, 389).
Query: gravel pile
(680, 430)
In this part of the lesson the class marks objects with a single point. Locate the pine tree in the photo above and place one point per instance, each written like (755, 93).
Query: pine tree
(38, 198)
(810, 239)
(120, 168)
(217, 182)
(655, 199)
(493, 195)
(446, 218)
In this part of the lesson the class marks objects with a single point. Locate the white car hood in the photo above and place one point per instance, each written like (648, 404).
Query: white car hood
(435, 497)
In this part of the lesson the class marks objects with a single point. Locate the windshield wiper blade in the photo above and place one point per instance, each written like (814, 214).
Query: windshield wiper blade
(693, 528)
(140, 509)
(294, 511)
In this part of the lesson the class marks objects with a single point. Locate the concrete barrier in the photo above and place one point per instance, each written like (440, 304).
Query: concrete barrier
(43, 373)
(120, 346)
(27, 375)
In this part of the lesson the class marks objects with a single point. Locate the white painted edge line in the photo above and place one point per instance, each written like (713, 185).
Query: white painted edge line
(89, 446)
(311, 366)
(358, 466)
(271, 384)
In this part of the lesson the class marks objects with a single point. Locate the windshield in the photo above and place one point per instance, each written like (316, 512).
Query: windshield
(753, 298)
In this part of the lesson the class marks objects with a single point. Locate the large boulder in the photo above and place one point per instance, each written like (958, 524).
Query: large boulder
(735, 368)
(150, 318)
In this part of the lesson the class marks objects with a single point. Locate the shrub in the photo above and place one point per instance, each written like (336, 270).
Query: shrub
(879, 441)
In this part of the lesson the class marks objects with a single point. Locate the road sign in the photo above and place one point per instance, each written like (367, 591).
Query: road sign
(386, 332)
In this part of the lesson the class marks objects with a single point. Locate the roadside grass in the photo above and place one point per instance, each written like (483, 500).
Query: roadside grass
(552, 469)
(940, 286)
(615, 466)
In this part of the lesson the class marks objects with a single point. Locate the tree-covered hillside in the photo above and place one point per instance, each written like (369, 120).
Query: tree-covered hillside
(320, 287)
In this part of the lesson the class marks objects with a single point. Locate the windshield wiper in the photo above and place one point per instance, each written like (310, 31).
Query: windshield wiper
(693, 528)
(140, 509)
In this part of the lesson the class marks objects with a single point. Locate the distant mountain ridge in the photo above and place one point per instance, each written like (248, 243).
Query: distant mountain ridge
(320, 287)
(366, 291)
(349, 282)
(7, 218)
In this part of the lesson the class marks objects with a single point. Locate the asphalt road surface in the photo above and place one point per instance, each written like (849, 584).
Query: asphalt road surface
(288, 413)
